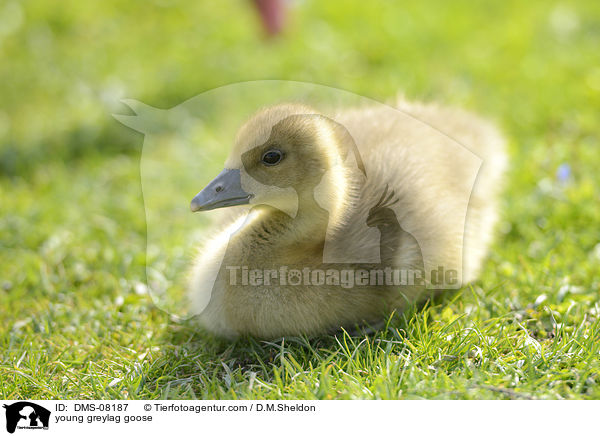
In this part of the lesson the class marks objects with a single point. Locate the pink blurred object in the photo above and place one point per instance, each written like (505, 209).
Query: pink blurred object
(272, 13)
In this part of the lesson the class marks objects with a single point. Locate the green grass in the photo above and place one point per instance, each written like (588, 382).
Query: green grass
(73, 322)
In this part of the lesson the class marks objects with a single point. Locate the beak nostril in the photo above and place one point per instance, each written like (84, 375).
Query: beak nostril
(219, 188)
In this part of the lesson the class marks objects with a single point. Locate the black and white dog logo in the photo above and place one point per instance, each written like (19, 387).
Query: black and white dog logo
(26, 415)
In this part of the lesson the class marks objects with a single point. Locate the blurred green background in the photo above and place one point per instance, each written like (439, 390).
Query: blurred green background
(73, 314)
(65, 66)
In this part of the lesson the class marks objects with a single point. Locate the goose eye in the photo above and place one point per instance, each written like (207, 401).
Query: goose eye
(272, 157)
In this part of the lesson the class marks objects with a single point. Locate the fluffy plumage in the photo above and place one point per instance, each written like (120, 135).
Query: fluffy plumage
(317, 209)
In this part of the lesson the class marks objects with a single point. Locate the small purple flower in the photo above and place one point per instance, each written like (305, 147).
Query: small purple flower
(563, 173)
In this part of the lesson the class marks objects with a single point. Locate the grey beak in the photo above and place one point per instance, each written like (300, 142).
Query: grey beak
(225, 190)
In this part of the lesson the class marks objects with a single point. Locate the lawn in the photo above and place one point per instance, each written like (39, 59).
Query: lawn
(75, 319)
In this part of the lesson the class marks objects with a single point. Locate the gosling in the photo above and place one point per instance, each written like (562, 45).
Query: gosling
(371, 193)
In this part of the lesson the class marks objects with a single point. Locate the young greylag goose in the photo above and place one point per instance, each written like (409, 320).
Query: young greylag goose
(347, 217)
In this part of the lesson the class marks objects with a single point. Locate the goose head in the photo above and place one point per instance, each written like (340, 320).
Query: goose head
(279, 158)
